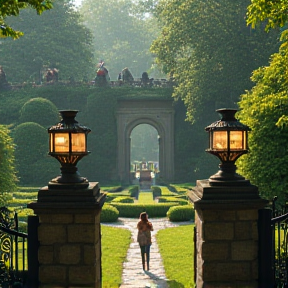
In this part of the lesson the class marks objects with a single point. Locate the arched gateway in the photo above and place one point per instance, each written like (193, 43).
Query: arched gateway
(157, 113)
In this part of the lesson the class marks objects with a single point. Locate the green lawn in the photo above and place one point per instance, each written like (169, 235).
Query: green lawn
(115, 243)
(146, 198)
(177, 250)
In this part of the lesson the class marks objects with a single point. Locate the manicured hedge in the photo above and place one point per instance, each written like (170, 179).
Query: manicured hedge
(123, 199)
(163, 199)
(134, 210)
(134, 191)
(156, 191)
(41, 111)
(109, 213)
(181, 213)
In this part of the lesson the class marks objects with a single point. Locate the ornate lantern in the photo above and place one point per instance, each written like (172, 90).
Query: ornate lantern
(228, 140)
(68, 144)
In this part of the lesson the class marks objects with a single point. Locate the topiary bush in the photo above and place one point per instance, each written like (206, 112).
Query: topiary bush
(134, 191)
(41, 111)
(134, 210)
(34, 166)
(109, 213)
(181, 213)
(156, 191)
(163, 199)
(123, 199)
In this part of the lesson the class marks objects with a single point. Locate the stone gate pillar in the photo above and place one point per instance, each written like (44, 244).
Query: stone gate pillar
(226, 219)
(69, 236)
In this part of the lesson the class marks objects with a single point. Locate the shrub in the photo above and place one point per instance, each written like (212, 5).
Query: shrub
(134, 210)
(181, 213)
(33, 165)
(133, 191)
(156, 191)
(41, 111)
(123, 199)
(115, 189)
(109, 213)
(163, 199)
(25, 195)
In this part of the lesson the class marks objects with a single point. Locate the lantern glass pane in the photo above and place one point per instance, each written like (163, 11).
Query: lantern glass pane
(78, 142)
(236, 140)
(61, 142)
(220, 140)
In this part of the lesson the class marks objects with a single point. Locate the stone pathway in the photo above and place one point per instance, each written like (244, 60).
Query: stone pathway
(133, 275)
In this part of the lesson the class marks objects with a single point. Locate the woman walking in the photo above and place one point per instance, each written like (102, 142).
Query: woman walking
(144, 238)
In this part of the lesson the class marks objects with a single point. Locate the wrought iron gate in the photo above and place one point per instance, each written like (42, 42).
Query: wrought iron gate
(273, 247)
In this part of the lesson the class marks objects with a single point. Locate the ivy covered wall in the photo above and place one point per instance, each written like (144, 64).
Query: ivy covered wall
(97, 107)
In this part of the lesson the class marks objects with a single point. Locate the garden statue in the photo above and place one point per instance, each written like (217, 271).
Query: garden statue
(127, 76)
(4, 85)
(145, 81)
(52, 75)
(102, 75)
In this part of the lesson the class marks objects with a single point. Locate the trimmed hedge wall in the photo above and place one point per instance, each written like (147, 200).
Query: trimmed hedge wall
(134, 210)
(163, 199)
(181, 213)
(109, 214)
(156, 190)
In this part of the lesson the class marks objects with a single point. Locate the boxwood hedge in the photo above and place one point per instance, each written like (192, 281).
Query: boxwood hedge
(109, 213)
(134, 210)
(181, 213)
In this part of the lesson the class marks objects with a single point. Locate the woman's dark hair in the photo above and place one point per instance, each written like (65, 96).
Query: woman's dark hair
(144, 217)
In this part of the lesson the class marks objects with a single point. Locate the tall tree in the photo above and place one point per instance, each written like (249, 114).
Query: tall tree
(208, 49)
(122, 35)
(13, 7)
(7, 169)
(264, 109)
(57, 39)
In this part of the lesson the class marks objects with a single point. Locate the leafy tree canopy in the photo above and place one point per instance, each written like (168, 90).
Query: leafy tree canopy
(57, 39)
(13, 7)
(7, 169)
(209, 50)
(275, 12)
(264, 109)
(122, 35)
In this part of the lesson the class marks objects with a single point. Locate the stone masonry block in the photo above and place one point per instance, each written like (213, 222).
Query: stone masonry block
(83, 275)
(247, 214)
(238, 284)
(244, 250)
(218, 231)
(50, 234)
(255, 270)
(69, 254)
(56, 218)
(89, 254)
(226, 272)
(254, 232)
(216, 251)
(219, 215)
(243, 230)
(52, 274)
(84, 218)
(45, 255)
(240, 271)
(81, 233)
(51, 286)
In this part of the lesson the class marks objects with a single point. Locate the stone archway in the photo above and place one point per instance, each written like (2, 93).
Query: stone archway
(157, 113)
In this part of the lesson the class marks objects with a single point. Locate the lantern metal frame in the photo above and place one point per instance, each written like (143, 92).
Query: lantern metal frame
(62, 139)
(234, 137)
